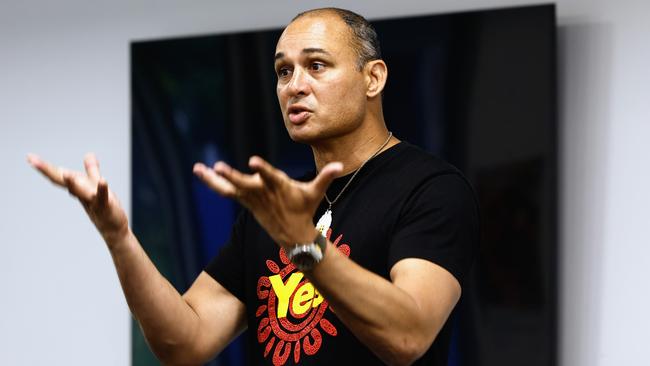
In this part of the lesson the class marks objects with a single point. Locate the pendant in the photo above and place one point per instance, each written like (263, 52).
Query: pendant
(324, 222)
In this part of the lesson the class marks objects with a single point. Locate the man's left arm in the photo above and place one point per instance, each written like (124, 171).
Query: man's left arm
(398, 319)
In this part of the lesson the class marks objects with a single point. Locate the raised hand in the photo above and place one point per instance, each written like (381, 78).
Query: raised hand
(283, 206)
(101, 205)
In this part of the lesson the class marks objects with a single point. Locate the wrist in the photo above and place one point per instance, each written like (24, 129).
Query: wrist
(117, 238)
(306, 236)
(300, 234)
(307, 254)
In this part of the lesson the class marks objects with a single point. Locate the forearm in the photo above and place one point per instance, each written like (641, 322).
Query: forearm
(383, 316)
(167, 321)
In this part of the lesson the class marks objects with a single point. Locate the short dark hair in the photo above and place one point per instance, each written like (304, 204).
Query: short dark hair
(364, 40)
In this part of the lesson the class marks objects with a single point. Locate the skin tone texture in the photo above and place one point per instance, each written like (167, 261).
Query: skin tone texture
(328, 103)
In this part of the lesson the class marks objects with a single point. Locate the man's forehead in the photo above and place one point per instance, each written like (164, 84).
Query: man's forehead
(314, 31)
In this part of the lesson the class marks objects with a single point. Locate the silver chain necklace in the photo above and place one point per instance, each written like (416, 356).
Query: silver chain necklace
(325, 221)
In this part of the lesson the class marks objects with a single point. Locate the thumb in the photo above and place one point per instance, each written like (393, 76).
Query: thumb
(326, 176)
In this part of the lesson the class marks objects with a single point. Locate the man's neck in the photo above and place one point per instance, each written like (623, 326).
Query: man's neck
(352, 149)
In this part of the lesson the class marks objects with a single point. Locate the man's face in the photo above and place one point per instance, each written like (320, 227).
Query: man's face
(321, 92)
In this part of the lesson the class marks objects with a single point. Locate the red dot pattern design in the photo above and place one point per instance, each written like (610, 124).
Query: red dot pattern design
(297, 333)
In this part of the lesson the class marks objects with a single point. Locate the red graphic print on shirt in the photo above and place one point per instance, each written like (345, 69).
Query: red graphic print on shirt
(292, 311)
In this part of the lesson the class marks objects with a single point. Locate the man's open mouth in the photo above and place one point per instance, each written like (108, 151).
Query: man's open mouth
(298, 114)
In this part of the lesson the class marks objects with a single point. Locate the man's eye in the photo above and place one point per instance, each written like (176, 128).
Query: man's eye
(317, 66)
(283, 72)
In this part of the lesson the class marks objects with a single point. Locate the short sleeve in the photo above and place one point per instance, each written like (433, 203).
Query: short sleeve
(440, 223)
(227, 267)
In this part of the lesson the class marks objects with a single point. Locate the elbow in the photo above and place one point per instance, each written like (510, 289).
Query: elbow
(172, 354)
(406, 350)
(167, 354)
(177, 359)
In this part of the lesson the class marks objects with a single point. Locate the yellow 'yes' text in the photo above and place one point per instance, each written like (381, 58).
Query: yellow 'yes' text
(304, 297)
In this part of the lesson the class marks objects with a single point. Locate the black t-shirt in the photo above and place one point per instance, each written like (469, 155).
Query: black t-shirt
(404, 203)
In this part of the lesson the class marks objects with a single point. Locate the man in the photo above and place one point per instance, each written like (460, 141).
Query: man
(373, 282)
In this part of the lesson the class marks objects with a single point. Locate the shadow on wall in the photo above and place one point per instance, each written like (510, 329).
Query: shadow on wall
(585, 74)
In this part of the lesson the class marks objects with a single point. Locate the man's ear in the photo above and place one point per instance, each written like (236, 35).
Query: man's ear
(376, 74)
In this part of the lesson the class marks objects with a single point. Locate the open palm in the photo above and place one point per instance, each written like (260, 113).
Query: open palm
(101, 205)
(284, 207)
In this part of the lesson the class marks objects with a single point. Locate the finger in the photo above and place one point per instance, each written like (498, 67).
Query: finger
(54, 174)
(199, 169)
(326, 176)
(270, 174)
(215, 181)
(78, 186)
(92, 166)
(240, 180)
(102, 193)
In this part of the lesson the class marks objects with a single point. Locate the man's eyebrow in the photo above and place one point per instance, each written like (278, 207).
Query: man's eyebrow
(310, 50)
(315, 50)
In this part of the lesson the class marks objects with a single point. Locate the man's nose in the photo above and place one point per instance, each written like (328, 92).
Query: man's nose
(299, 83)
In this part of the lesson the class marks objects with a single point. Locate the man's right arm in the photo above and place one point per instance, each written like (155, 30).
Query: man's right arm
(181, 330)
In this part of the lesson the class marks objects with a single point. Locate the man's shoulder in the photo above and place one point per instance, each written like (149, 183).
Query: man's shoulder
(414, 172)
(413, 160)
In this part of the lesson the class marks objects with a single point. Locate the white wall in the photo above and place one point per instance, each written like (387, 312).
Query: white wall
(64, 90)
